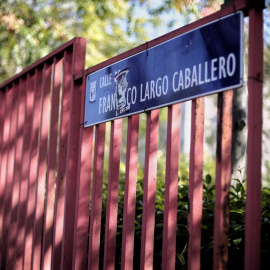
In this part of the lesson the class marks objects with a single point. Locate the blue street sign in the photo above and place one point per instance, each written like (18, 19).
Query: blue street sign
(203, 61)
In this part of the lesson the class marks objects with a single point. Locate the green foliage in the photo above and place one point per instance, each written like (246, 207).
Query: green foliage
(31, 29)
(27, 33)
(191, 10)
(236, 227)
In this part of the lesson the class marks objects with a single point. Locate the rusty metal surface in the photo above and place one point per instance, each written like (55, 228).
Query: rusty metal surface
(150, 177)
(130, 193)
(223, 179)
(112, 195)
(96, 202)
(195, 191)
(171, 187)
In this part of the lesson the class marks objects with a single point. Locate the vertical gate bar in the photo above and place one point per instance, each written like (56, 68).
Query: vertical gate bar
(2, 125)
(171, 188)
(112, 195)
(11, 162)
(28, 251)
(149, 194)
(254, 142)
(79, 50)
(195, 189)
(2, 120)
(3, 100)
(42, 164)
(130, 193)
(81, 218)
(16, 176)
(61, 163)
(81, 222)
(2, 156)
(4, 161)
(9, 174)
(82, 215)
(96, 203)
(25, 171)
(19, 156)
(52, 157)
(223, 179)
(3, 96)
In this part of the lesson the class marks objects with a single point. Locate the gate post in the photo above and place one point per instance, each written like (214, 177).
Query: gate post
(254, 142)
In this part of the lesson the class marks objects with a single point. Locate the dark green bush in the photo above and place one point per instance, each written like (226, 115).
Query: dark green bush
(236, 228)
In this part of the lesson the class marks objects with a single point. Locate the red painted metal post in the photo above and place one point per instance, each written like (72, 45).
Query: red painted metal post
(149, 194)
(28, 251)
(195, 190)
(2, 115)
(12, 118)
(62, 162)
(96, 203)
(73, 155)
(16, 177)
(4, 163)
(52, 157)
(223, 179)
(2, 147)
(112, 195)
(254, 142)
(16, 185)
(82, 209)
(171, 188)
(2, 123)
(25, 172)
(11, 168)
(42, 164)
(81, 222)
(130, 193)
(19, 152)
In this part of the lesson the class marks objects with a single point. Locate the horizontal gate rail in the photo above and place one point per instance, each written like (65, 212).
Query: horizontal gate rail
(53, 212)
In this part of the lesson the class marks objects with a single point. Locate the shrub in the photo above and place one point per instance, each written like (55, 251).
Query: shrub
(236, 227)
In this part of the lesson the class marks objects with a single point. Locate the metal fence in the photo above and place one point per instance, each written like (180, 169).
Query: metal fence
(46, 167)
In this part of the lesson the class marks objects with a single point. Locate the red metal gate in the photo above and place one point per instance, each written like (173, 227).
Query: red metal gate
(46, 167)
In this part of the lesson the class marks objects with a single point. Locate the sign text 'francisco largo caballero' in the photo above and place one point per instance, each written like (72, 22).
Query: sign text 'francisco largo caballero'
(206, 60)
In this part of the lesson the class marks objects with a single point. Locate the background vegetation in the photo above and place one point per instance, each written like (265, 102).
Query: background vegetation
(236, 227)
(30, 29)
